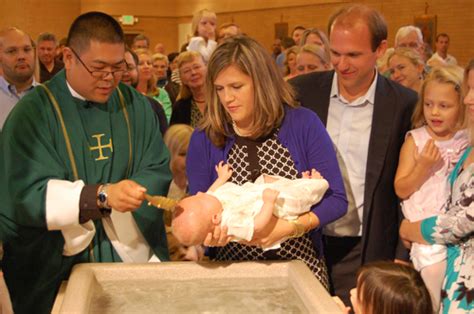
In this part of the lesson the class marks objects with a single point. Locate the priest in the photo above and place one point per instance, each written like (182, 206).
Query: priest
(77, 156)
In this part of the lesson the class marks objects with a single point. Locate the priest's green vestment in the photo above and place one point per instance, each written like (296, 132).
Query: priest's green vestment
(106, 149)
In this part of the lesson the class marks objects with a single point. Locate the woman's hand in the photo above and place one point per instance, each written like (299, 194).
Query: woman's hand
(411, 232)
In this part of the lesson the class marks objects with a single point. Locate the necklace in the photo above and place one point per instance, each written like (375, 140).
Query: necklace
(238, 131)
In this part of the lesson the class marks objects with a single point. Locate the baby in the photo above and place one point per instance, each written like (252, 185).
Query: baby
(245, 209)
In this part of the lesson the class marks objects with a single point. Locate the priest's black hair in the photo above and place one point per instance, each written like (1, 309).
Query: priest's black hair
(96, 26)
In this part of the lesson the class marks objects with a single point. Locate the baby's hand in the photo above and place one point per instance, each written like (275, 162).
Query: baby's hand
(429, 156)
(224, 172)
(270, 195)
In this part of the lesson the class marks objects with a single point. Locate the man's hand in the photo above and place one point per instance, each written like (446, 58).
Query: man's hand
(125, 195)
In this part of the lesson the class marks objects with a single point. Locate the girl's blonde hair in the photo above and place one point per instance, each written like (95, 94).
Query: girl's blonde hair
(452, 75)
(151, 88)
(197, 17)
(271, 92)
(177, 139)
(390, 288)
(185, 57)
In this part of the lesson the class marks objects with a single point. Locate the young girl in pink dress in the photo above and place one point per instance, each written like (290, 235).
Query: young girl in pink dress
(427, 157)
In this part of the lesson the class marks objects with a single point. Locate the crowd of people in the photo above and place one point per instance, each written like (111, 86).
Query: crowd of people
(90, 128)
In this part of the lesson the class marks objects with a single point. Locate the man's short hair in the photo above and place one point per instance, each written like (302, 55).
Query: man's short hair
(350, 15)
(46, 37)
(134, 55)
(405, 30)
(287, 42)
(442, 35)
(172, 56)
(62, 41)
(141, 37)
(297, 27)
(96, 26)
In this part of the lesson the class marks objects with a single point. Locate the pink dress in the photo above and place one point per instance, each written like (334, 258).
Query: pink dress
(431, 198)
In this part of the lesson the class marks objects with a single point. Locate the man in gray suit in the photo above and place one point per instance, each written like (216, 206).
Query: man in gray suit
(367, 117)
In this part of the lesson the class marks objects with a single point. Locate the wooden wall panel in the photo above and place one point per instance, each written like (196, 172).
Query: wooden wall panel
(37, 16)
(159, 19)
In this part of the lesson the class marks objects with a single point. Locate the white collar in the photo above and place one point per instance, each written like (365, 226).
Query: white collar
(369, 96)
(74, 93)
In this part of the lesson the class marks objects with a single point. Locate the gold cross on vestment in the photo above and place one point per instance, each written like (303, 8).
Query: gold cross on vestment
(100, 147)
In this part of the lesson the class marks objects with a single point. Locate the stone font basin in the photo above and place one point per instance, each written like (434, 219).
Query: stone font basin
(187, 287)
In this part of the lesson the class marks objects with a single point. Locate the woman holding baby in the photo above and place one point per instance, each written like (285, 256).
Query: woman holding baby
(253, 123)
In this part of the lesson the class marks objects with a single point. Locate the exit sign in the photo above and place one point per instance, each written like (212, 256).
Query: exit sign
(128, 19)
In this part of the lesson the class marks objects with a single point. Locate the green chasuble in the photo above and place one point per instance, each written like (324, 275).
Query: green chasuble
(34, 151)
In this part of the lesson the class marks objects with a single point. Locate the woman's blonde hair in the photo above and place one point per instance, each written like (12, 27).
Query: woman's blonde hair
(390, 288)
(197, 17)
(452, 75)
(159, 56)
(181, 59)
(321, 35)
(408, 53)
(318, 52)
(271, 91)
(469, 121)
(292, 50)
(151, 88)
(177, 139)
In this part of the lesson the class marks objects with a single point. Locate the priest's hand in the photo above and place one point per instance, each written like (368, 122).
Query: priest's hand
(126, 195)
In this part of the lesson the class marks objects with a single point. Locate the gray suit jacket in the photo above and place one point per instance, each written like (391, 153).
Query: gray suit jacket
(393, 107)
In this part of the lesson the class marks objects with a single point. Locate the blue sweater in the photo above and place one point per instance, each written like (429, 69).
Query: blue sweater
(310, 146)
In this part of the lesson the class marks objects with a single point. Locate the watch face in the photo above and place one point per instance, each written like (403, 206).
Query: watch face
(102, 197)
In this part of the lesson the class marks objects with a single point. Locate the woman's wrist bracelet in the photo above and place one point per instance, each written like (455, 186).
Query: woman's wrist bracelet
(299, 229)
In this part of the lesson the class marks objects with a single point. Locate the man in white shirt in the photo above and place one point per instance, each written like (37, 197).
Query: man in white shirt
(17, 62)
(441, 55)
(367, 117)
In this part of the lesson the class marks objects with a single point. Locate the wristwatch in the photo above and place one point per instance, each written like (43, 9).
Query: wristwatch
(102, 197)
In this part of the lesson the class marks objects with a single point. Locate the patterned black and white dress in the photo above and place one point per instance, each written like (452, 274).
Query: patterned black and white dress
(249, 159)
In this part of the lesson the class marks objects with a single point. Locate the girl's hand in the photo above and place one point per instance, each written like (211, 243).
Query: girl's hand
(430, 157)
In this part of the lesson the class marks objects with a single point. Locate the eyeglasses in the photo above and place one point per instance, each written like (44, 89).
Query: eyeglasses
(130, 68)
(100, 74)
(189, 70)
